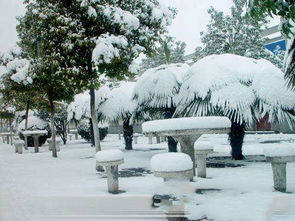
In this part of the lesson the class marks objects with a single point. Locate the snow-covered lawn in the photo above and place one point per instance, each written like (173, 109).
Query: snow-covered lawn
(38, 187)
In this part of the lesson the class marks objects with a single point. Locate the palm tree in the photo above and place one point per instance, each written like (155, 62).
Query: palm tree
(241, 88)
(155, 90)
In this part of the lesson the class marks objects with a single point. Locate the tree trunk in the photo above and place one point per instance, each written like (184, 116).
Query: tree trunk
(236, 138)
(94, 120)
(26, 123)
(127, 133)
(91, 133)
(53, 132)
(172, 143)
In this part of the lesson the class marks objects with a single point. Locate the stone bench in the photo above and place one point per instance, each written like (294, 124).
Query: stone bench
(172, 166)
(111, 159)
(279, 157)
(135, 136)
(202, 149)
(57, 144)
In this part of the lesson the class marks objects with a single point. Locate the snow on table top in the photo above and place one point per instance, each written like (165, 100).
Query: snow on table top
(171, 162)
(109, 155)
(281, 151)
(203, 145)
(34, 132)
(186, 123)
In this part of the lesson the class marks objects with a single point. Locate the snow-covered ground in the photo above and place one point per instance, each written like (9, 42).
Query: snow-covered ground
(39, 187)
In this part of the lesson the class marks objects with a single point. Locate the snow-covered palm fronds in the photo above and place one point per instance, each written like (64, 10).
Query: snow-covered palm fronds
(80, 107)
(157, 87)
(119, 105)
(241, 88)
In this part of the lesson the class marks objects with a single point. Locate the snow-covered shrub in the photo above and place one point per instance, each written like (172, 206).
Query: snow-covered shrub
(84, 130)
(34, 123)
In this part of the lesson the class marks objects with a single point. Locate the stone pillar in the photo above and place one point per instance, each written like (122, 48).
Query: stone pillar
(36, 143)
(20, 148)
(158, 139)
(150, 139)
(112, 180)
(279, 176)
(135, 139)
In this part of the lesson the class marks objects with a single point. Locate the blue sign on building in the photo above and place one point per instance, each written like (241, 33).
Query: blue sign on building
(274, 45)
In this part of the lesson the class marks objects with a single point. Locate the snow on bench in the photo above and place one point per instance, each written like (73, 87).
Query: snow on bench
(111, 159)
(279, 157)
(34, 132)
(186, 123)
(172, 166)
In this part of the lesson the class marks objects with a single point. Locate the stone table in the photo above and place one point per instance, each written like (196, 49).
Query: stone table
(35, 134)
(8, 136)
(187, 130)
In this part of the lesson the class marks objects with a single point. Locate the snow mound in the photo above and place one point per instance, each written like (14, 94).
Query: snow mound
(279, 151)
(203, 145)
(171, 162)
(157, 87)
(186, 123)
(34, 123)
(109, 155)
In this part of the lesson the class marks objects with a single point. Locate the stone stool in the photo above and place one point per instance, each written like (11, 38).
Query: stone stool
(172, 166)
(150, 139)
(279, 157)
(111, 159)
(135, 136)
(202, 148)
(57, 144)
(19, 144)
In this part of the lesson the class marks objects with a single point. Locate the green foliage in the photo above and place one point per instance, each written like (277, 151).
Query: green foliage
(60, 120)
(169, 51)
(237, 34)
(285, 9)
(84, 130)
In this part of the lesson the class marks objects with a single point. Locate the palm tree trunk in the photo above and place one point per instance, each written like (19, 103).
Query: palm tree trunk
(236, 138)
(128, 133)
(26, 123)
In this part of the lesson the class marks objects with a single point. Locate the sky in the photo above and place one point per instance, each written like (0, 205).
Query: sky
(191, 19)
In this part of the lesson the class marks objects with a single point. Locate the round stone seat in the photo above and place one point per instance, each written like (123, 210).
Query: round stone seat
(279, 157)
(111, 159)
(172, 166)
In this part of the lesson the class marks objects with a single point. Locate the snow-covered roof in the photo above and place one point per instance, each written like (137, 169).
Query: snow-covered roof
(119, 104)
(171, 162)
(157, 86)
(240, 87)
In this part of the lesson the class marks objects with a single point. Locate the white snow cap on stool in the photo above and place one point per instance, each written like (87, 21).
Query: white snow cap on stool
(203, 145)
(109, 155)
(279, 151)
(19, 142)
(171, 162)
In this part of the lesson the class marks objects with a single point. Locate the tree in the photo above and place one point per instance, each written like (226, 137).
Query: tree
(169, 51)
(155, 92)
(120, 107)
(60, 120)
(241, 88)
(286, 10)
(237, 34)
(56, 76)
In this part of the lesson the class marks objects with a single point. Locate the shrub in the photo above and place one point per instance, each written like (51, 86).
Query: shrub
(85, 132)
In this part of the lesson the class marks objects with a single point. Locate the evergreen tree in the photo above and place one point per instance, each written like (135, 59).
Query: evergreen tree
(169, 51)
(237, 34)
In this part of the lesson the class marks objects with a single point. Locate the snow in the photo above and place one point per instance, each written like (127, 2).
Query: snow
(34, 132)
(157, 87)
(19, 71)
(214, 80)
(280, 151)
(171, 162)
(203, 145)
(109, 155)
(119, 104)
(187, 123)
(71, 186)
(34, 123)
(108, 48)
(19, 142)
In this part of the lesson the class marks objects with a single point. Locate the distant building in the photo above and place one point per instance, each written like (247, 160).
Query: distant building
(274, 39)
